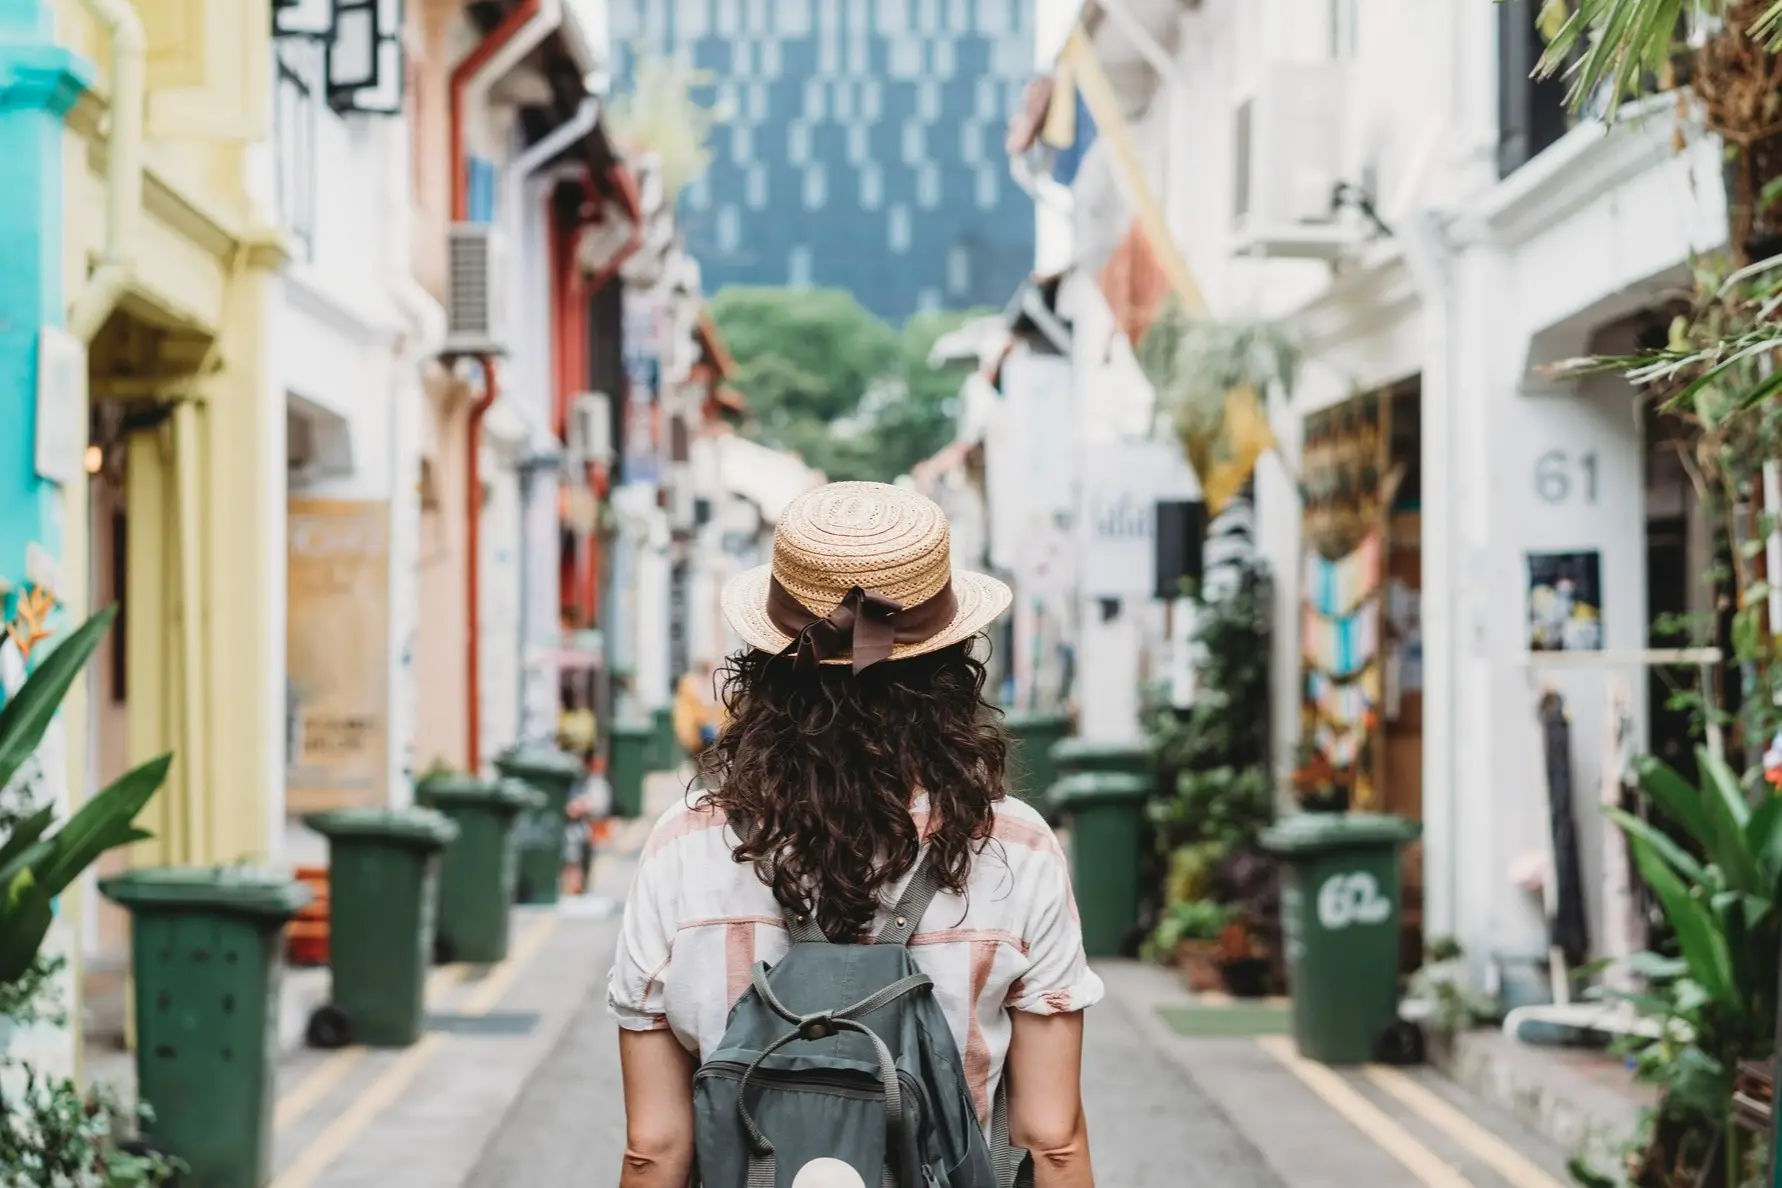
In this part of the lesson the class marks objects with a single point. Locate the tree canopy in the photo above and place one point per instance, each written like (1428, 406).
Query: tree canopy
(826, 379)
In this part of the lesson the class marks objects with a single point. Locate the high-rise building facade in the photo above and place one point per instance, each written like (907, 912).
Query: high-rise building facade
(862, 145)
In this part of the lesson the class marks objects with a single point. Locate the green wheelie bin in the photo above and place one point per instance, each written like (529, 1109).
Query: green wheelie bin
(480, 868)
(1106, 812)
(1071, 756)
(1032, 735)
(383, 893)
(666, 750)
(205, 958)
(630, 762)
(554, 775)
(1340, 909)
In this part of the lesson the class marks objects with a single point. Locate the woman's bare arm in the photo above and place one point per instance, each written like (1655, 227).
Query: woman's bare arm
(658, 1075)
(1045, 1069)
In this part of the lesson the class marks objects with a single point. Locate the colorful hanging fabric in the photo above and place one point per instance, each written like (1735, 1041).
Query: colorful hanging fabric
(1340, 646)
(1341, 746)
(1351, 702)
(1337, 587)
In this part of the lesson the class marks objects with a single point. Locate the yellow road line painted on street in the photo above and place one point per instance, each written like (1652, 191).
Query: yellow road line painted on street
(1365, 1116)
(1489, 1149)
(390, 1084)
(297, 1101)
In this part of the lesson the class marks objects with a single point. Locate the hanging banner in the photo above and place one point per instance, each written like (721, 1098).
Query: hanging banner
(1117, 519)
(337, 653)
(641, 353)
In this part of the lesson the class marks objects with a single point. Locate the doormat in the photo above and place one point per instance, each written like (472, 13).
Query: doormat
(1233, 1020)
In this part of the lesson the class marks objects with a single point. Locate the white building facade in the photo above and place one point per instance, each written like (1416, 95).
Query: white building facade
(1478, 237)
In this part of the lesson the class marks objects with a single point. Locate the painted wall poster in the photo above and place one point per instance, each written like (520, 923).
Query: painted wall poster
(1565, 602)
(337, 653)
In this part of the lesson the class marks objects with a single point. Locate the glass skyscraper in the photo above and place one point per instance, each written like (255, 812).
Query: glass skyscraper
(864, 144)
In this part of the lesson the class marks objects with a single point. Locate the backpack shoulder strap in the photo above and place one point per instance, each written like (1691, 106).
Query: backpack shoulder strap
(906, 917)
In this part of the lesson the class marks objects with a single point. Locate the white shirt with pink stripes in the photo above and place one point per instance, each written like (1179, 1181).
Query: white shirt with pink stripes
(696, 922)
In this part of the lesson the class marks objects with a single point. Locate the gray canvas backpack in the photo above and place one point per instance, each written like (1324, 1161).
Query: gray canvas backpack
(840, 1052)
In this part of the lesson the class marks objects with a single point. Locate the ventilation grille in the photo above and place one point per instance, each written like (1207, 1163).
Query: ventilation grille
(473, 312)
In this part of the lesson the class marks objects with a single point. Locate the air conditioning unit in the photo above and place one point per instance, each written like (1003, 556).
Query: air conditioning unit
(588, 434)
(1290, 152)
(476, 321)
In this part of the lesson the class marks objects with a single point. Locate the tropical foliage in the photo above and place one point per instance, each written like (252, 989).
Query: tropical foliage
(829, 381)
(52, 1133)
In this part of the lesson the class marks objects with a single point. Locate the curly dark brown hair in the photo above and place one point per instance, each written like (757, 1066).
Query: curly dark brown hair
(816, 771)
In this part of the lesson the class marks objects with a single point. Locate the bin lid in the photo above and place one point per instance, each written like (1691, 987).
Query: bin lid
(548, 762)
(1086, 788)
(1023, 719)
(1311, 833)
(634, 729)
(419, 827)
(464, 791)
(233, 890)
(1102, 754)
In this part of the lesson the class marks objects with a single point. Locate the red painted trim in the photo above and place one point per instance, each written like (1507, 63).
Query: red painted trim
(462, 73)
(626, 185)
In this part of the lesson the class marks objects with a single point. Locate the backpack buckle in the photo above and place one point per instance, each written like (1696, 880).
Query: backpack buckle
(816, 1027)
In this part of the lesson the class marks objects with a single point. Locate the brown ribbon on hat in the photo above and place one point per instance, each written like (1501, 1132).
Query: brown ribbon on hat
(863, 624)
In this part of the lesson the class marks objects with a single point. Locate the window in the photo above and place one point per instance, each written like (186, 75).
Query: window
(842, 97)
(816, 188)
(859, 52)
(699, 192)
(988, 99)
(813, 99)
(946, 62)
(1344, 38)
(758, 101)
(894, 17)
(793, 18)
(993, 18)
(729, 229)
(928, 185)
(928, 18)
(872, 187)
(798, 267)
(755, 187)
(928, 99)
(691, 19)
(859, 143)
(729, 16)
(872, 96)
(742, 143)
(770, 57)
(294, 118)
(958, 269)
(1531, 112)
(928, 300)
(915, 148)
(989, 187)
(740, 64)
(906, 56)
(798, 142)
(971, 142)
(898, 228)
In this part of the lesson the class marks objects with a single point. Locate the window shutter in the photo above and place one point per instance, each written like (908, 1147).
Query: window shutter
(209, 68)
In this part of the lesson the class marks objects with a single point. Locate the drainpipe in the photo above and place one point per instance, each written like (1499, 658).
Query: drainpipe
(123, 169)
(518, 34)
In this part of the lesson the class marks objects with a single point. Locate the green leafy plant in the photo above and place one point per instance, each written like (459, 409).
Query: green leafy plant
(36, 863)
(53, 1135)
(1441, 983)
(1715, 996)
(1199, 920)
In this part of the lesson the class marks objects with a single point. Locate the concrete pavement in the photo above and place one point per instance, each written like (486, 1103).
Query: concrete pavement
(516, 1086)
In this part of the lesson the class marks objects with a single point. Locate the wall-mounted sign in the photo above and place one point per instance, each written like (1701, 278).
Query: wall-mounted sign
(1565, 602)
(1117, 520)
(337, 653)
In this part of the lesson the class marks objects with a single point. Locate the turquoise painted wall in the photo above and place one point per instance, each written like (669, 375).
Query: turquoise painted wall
(39, 81)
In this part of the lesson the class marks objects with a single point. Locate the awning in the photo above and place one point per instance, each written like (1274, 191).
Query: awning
(1033, 314)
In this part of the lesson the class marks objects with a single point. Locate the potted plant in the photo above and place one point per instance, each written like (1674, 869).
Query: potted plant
(1244, 966)
(1189, 935)
(51, 1132)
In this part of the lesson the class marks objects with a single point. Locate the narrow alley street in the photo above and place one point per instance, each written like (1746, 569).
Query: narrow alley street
(517, 1084)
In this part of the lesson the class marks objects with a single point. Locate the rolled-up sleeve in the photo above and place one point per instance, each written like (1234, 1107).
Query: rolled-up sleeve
(635, 990)
(1058, 979)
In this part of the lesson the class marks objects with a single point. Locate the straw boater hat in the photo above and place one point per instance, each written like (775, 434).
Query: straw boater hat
(862, 572)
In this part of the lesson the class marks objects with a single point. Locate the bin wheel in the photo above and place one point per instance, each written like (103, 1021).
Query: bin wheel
(444, 951)
(329, 1028)
(1400, 1043)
